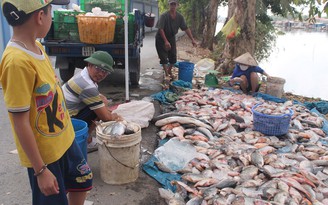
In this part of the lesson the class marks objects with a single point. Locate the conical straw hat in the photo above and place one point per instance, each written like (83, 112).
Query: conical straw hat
(246, 59)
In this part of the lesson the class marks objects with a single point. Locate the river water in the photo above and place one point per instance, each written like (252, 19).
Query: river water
(300, 57)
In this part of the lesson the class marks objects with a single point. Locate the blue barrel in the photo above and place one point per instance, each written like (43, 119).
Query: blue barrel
(81, 134)
(186, 71)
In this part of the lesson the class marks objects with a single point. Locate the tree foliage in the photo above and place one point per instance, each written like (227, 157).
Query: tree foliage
(194, 12)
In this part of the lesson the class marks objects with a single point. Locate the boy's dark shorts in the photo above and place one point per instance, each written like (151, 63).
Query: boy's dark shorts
(73, 175)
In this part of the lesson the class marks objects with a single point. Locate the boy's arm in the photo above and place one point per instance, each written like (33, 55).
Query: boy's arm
(46, 180)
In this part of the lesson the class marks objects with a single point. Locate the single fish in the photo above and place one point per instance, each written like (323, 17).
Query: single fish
(206, 132)
(170, 197)
(162, 167)
(249, 172)
(179, 132)
(206, 182)
(184, 186)
(191, 177)
(182, 120)
(162, 134)
(238, 119)
(228, 182)
(131, 128)
(114, 129)
(281, 198)
(209, 193)
(292, 182)
(270, 192)
(107, 130)
(297, 124)
(296, 195)
(195, 201)
(169, 114)
(257, 159)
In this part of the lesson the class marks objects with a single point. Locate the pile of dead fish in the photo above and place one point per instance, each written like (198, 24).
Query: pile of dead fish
(116, 129)
(271, 108)
(238, 165)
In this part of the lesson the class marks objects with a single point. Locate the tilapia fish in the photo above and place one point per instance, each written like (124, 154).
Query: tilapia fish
(239, 165)
(119, 128)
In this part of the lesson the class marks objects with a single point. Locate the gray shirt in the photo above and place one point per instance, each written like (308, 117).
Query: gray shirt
(80, 92)
(169, 25)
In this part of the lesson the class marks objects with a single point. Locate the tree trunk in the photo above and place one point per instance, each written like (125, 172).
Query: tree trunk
(244, 12)
(211, 17)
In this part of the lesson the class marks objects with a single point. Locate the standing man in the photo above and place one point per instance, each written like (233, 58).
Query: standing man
(83, 98)
(168, 26)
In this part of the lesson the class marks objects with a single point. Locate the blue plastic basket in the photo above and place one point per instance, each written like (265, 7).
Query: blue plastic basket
(272, 125)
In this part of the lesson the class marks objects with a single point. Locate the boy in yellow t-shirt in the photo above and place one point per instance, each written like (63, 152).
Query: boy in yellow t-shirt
(41, 125)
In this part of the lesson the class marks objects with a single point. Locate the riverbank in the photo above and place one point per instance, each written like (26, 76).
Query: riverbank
(187, 52)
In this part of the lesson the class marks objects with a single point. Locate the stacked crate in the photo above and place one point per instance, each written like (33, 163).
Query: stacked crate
(65, 25)
(117, 7)
(119, 29)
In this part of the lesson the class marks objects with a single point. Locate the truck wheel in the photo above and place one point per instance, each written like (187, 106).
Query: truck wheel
(134, 65)
(66, 74)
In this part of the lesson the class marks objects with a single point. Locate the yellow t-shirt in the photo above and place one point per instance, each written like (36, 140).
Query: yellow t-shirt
(30, 84)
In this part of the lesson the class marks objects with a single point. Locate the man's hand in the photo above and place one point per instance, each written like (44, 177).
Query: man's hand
(194, 43)
(104, 99)
(116, 117)
(237, 80)
(167, 46)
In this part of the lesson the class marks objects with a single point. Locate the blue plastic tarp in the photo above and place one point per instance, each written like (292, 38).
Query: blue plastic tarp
(163, 178)
(325, 122)
(183, 84)
(269, 97)
(168, 96)
(321, 106)
(165, 97)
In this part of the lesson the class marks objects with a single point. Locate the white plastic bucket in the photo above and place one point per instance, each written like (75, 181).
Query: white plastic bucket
(119, 156)
(275, 86)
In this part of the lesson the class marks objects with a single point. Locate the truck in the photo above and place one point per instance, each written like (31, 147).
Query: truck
(70, 54)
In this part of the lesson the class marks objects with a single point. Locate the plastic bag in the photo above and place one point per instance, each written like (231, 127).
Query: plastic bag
(231, 29)
(202, 66)
(140, 112)
(173, 159)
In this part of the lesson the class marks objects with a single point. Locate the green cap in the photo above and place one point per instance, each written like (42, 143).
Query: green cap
(31, 5)
(101, 59)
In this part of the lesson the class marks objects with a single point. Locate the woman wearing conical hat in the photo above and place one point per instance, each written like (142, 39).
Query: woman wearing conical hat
(245, 73)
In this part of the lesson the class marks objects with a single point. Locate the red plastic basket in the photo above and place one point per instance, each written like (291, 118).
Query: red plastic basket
(272, 125)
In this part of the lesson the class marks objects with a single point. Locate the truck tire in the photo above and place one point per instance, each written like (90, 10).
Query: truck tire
(66, 74)
(134, 66)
